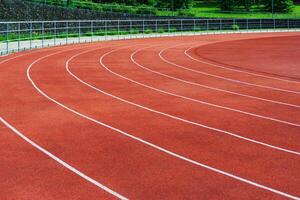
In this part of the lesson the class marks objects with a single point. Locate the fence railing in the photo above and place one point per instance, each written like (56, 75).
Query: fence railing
(19, 36)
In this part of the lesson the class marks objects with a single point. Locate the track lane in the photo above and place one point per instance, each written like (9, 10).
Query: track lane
(190, 110)
(232, 100)
(142, 173)
(232, 194)
(174, 56)
(190, 77)
(151, 145)
(91, 110)
(36, 175)
(262, 46)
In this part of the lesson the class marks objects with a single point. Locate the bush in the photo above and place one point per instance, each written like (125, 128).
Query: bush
(235, 27)
(173, 30)
(279, 5)
(226, 5)
(161, 30)
(135, 31)
(148, 31)
(186, 13)
(148, 10)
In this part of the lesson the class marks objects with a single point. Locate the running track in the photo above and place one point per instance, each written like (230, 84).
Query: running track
(197, 117)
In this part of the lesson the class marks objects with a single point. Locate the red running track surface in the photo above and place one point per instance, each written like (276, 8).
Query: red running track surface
(162, 118)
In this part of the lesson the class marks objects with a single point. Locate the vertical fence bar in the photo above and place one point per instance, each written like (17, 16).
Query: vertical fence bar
(169, 27)
(274, 23)
(30, 30)
(156, 28)
(55, 33)
(118, 29)
(43, 33)
(19, 35)
(207, 25)
(194, 27)
(105, 28)
(143, 28)
(130, 28)
(181, 26)
(288, 23)
(221, 25)
(92, 30)
(67, 32)
(7, 28)
(247, 24)
(79, 32)
(260, 24)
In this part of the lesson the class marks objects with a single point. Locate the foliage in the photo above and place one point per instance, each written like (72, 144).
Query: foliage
(279, 5)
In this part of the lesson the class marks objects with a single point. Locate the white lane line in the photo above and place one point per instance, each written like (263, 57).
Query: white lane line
(232, 69)
(165, 114)
(214, 88)
(237, 81)
(25, 54)
(204, 102)
(153, 145)
(63, 163)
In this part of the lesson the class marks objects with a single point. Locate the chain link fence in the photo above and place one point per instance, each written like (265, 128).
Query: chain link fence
(19, 36)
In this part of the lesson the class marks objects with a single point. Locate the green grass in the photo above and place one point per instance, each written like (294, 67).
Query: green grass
(209, 11)
(200, 9)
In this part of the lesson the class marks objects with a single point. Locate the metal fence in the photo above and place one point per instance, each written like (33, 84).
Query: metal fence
(19, 36)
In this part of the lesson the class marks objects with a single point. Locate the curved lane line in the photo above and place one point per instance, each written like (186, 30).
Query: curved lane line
(63, 163)
(146, 142)
(217, 89)
(53, 156)
(204, 102)
(234, 80)
(165, 114)
(232, 69)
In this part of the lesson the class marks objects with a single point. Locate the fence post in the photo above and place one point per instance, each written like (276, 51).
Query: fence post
(55, 33)
(30, 29)
(43, 34)
(105, 28)
(143, 28)
(260, 24)
(67, 32)
(118, 29)
(194, 27)
(7, 38)
(79, 31)
(19, 35)
(247, 24)
(181, 26)
(220, 24)
(274, 24)
(92, 31)
(207, 25)
(169, 27)
(288, 23)
(156, 27)
(130, 29)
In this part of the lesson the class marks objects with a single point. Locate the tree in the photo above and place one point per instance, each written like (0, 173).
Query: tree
(279, 5)
(226, 5)
(174, 4)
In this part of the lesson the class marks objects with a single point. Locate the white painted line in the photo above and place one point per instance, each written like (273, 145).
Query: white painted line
(234, 80)
(151, 144)
(204, 102)
(63, 163)
(172, 116)
(213, 88)
(233, 69)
